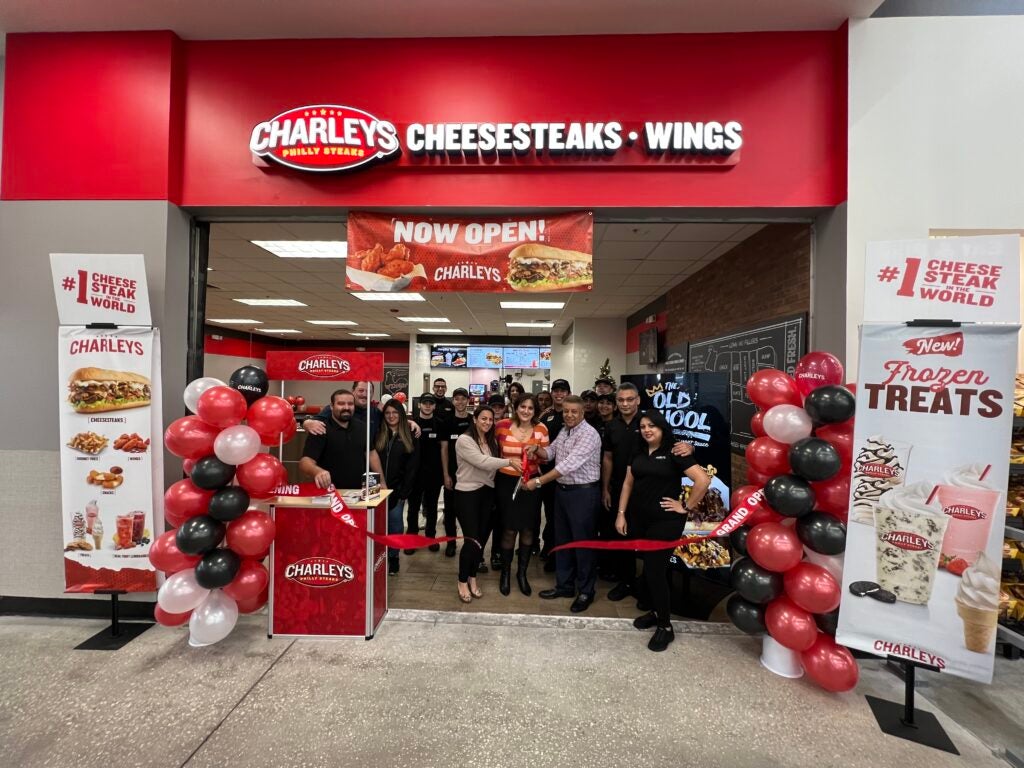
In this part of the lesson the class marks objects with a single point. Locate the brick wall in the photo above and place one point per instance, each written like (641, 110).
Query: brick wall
(766, 276)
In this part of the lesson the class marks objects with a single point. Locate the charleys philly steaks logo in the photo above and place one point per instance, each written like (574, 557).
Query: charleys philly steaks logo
(319, 572)
(324, 366)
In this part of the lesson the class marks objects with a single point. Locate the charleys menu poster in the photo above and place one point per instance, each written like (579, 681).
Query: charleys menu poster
(110, 447)
(503, 254)
(927, 499)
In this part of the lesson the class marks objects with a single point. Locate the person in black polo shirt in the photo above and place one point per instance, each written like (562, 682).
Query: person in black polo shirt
(605, 412)
(444, 408)
(590, 414)
(338, 456)
(458, 422)
(429, 478)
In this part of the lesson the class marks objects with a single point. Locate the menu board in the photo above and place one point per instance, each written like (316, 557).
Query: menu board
(522, 357)
(545, 357)
(448, 357)
(485, 357)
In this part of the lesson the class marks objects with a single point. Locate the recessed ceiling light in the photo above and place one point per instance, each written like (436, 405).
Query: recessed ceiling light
(370, 335)
(532, 304)
(424, 319)
(384, 296)
(233, 321)
(529, 325)
(271, 302)
(305, 249)
(440, 330)
(332, 322)
(279, 330)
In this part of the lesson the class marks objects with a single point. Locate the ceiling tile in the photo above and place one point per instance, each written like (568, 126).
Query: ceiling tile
(746, 231)
(680, 251)
(703, 232)
(636, 232)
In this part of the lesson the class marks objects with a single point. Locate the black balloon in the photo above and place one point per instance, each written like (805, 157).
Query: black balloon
(217, 568)
(827, 622)
(754, 583)
(738, 539)
(814, 459)
(210, 473)
(830, 404)
(789, 495)
(747, 616)
(251, 381)
(199, 535)
(228, 503)
(822, 533)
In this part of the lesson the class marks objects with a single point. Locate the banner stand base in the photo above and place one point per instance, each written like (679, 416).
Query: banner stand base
(117, 635)
(905, 721)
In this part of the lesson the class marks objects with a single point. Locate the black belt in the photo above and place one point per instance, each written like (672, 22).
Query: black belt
(570, 486)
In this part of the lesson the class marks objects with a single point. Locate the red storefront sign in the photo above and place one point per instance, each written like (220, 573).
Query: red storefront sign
(325, 366)
(492, 254)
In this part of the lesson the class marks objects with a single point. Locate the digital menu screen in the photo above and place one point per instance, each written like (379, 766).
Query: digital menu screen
(522, 357)
(545, 357)
(477, 390)
(448, 357)
(485, 357)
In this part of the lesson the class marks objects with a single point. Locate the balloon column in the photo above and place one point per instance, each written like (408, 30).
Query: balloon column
(800, 463)
(213, 557)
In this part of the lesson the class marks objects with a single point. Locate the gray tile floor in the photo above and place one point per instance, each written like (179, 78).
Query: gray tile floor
(429, 692)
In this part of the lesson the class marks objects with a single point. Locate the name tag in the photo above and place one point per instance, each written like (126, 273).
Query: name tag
(454, 437)
(432, 435)
(661, 458)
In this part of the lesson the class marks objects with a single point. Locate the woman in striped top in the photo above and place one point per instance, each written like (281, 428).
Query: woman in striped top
(518, 514)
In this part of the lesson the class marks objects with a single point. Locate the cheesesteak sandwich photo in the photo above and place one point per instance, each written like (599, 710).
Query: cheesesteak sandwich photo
(535, 267)
(93, 390)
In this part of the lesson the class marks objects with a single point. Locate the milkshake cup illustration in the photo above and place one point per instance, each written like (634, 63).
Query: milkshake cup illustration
(97, 533)
(970, 503)
(880, 466)
(908, 538)
(977, 603)
(92, 511)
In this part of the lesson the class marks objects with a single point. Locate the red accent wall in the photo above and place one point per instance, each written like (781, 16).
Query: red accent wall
(633, 333)
(146, 116)
(259, 349)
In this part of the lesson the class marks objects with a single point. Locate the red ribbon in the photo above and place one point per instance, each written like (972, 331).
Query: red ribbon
(393, 540)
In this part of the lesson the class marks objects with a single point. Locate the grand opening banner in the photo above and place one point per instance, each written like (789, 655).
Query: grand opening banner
(927, 510)
(503, 254)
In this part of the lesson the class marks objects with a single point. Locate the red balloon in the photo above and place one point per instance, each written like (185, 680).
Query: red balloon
(768, 457)
(171, 619)
(221, 407)
(833, 495)
(817, 369)
(852, 386)
(400, 397)
(790, 624)
(830, 665)
(250, 535)
(270, 415)
(253, 605)
(251, 579)
(812, 588)
(741, 494)
(272, 438)
(757, 478)
(190, 437)
(769, 387)
(757, 424)
(260, 475)
(184, 500)
(165, 555)
(774, 546)
(840, 436)
(186, 466)
(752, 497)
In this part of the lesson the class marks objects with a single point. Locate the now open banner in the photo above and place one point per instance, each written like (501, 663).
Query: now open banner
(485, 254)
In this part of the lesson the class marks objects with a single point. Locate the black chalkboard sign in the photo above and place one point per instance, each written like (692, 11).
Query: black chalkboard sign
(777, 343)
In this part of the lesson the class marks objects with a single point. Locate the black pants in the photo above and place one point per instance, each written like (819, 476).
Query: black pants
(656, 571)
(426, 491)
(621, 562)
(516, 516)
(576, 520)
(490, 528)
(450, 513)
(474, 508)
(547, 495)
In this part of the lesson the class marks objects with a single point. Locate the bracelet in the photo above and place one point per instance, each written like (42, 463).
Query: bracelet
(622, 511)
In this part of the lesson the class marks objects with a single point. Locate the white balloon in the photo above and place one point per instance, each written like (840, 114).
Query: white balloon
(181, 592)
(213, 620)
(831, 563)
(787, 423)
(384, 399)
(196, 388)
(236, 445)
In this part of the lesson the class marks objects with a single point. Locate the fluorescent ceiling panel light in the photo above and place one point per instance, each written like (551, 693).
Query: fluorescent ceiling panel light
(424, 319)
(270, 302)
(233, 321)
(305, 249)
(332, 322)
(532, 304)
(440, 330)
(279, 330)
(529, 325)
(374, 296)
(370, 335)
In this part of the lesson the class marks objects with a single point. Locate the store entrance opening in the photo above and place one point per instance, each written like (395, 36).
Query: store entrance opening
(658, 286)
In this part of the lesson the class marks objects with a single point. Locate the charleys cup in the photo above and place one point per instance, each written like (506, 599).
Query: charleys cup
(908, 539)
(970, 504)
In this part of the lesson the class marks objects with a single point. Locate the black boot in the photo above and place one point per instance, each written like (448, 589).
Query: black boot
(505, 583)
(524, 564)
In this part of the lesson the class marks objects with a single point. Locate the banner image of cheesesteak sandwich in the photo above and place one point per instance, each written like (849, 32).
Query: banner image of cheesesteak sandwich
(505, 254)
(108, 409)
(927, 497)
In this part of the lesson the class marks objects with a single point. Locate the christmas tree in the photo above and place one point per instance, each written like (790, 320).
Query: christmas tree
(606, 371)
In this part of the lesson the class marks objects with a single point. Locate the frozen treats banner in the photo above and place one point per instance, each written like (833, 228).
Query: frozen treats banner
(109, 414)
(927, 506)
(513, 254)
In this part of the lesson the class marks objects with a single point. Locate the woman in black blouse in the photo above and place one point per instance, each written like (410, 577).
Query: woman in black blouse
(650, 508)
(399, 457)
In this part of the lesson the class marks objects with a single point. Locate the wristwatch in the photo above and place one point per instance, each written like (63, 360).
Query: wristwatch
(539, 483)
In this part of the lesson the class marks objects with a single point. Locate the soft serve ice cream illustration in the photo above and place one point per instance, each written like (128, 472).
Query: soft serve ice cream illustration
(977, 603)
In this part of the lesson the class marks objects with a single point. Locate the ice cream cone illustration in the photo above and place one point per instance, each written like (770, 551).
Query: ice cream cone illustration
(97, 533)
(977, 604)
